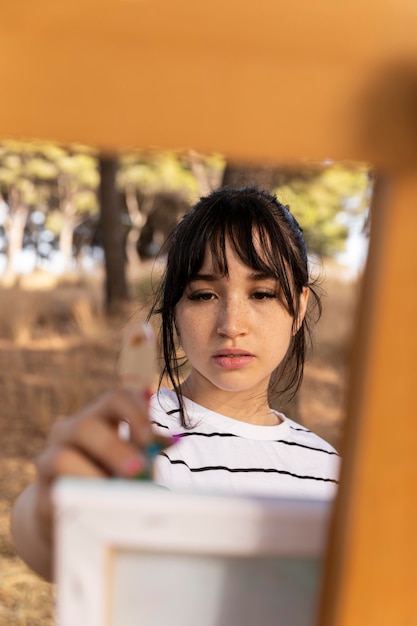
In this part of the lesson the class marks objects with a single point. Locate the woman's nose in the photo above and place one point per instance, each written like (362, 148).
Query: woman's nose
(232, 319)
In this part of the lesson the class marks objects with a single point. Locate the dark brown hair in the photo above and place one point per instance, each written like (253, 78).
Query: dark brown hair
(237, 215)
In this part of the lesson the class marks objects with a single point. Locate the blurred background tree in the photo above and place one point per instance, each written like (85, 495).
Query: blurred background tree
(158, 188)
(75, 195)
(46, 191)
(52, 203)
(26, 173)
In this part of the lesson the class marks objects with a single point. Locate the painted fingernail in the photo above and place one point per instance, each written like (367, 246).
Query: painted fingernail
(147, 394)
(143, 394)
(133, 466)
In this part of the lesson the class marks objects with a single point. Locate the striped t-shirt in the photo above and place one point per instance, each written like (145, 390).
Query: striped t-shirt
(221, 454)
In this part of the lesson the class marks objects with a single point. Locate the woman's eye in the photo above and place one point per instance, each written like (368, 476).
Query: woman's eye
(199, 296)
(264, 295)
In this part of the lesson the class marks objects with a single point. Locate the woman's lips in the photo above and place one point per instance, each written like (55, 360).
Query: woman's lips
(232, 358)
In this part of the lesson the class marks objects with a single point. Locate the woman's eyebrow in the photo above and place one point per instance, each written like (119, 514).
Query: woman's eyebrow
(252, 276)
(258, 276)
(204, 277)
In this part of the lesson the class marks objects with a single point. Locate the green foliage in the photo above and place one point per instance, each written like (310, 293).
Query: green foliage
(54, 222)
(155, 171)
(38, 176)
(319, 196)
(38, 168)
(168, 171)
(85, 201)
(81, 169)
(43, 172)
(63, 183)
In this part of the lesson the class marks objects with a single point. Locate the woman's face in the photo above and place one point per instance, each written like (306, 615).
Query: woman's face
(234, 330)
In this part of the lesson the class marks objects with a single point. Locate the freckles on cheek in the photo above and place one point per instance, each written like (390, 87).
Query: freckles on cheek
(186, 325)
(191, 330)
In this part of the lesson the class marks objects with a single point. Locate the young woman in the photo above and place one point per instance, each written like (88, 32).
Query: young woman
(233, 303)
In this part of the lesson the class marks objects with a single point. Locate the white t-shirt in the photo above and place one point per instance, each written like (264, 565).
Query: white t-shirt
(221, 454)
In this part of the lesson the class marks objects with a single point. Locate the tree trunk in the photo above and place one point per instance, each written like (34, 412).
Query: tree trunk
(113, 238)
(15, 227)
(244, 174)
(67, 233)
(137, 220)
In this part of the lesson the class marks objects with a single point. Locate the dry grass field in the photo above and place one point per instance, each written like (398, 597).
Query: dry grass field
(57, 351)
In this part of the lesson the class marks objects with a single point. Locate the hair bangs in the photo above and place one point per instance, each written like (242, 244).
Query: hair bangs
(262, 247)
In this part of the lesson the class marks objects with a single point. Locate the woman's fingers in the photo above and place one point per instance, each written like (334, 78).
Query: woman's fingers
(56, 461)
(112, 408)
(92, 449)
(88, 443)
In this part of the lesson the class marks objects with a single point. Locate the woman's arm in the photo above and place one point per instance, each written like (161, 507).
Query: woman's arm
(31, 544)
(84, 444)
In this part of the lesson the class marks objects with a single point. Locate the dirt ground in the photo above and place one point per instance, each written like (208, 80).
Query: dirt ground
(57, 351)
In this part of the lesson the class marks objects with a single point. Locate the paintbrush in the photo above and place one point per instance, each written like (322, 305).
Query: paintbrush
(136, 371)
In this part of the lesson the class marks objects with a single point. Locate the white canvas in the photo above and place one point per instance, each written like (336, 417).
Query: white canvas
(132, 554)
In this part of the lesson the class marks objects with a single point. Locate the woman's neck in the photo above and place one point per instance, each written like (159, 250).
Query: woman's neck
(246, 406)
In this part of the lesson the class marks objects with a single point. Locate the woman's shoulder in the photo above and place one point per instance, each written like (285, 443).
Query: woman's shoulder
(314, 452)
(305, 437)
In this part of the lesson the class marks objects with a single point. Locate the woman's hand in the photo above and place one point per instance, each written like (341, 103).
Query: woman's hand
(88, 444)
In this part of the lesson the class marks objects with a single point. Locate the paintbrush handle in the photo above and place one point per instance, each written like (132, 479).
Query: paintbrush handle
(136, 367)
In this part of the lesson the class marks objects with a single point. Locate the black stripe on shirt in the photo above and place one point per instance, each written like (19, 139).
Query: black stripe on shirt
(194, 433)
(245, 470)
(159, 424)
(303, 445)
(283, 441)
(300, 429)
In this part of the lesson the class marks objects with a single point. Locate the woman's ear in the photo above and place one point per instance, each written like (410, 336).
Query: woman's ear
(302, 310)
